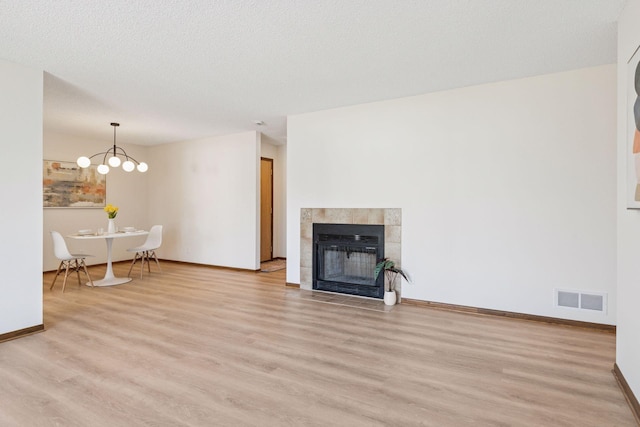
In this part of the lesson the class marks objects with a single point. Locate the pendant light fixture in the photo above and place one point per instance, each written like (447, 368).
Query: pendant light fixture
(115, 160)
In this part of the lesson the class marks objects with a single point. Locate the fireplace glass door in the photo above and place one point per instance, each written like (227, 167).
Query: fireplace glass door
(348, 264)
(345, 257)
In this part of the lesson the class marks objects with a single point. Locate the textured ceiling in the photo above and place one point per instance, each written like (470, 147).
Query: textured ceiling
(171, 70)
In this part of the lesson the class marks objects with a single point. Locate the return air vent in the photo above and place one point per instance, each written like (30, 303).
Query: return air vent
(592, 301)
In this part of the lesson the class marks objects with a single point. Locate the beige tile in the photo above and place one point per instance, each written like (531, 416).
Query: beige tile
(306, 253)
(306, 278)
(306, 230)
(392, 234)
(319, 215)
(360, 216)
(392, 251)
(376, 216)
(305, 215)
(393, 216)
(340, 216)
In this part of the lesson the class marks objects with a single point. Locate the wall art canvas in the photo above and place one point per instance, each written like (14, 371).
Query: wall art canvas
(67, 185)
(633, 131)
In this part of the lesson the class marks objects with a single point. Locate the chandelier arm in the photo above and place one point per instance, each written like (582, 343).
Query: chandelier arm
(99, 154)
(106, 153)
(131, 158)
(128, 157)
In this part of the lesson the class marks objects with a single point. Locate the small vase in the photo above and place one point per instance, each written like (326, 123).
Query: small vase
(390, 297)
(111, 228)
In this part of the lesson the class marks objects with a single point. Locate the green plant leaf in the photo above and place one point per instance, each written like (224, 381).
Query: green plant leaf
(383, 265)
(388, 265)
(400, 272)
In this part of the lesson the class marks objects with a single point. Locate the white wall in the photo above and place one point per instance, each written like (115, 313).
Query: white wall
(21, 192)
(628, 328)
(507, 190)
(126, 190)
(206, 194)
(278, 154)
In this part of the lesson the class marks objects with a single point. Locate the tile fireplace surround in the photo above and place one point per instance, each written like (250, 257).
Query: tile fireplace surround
(391, 218)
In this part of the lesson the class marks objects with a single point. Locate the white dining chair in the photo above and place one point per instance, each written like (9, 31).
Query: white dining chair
(75, 262)
(147, 250)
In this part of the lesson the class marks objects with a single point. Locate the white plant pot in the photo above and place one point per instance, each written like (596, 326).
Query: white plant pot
(111, 226)
(390, 297)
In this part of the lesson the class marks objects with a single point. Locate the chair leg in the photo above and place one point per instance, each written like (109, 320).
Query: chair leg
(84, 265)
(77, 268)
(148, 262)
(66, 274)
(153, 253)
(135, 258)
(143, 256)
(57, 273)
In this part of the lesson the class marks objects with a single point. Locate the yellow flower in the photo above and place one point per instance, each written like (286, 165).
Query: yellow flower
(111, 210)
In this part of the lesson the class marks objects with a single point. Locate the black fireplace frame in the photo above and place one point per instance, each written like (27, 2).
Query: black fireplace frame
(358, 236)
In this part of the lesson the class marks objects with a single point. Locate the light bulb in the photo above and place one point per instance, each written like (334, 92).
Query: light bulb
(114, 161)
(103, 169)
(143, 167)
(128, 166)
(83, 162)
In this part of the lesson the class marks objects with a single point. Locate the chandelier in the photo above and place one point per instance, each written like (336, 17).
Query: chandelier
(114, 161)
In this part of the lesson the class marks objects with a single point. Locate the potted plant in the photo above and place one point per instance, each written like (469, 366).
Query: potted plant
(391, 273)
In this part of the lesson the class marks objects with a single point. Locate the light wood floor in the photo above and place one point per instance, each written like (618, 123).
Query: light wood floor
(198, 346)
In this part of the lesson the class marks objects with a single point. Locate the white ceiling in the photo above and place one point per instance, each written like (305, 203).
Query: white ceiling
(172, 70)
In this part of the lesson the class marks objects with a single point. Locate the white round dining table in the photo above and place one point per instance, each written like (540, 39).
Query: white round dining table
(109, 278)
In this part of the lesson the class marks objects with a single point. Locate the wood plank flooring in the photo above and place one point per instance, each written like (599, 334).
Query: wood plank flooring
(198, 346)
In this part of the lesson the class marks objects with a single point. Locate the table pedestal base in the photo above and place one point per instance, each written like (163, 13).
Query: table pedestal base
(110, 281)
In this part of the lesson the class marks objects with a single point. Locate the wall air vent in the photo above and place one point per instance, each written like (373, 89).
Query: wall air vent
(581, 300)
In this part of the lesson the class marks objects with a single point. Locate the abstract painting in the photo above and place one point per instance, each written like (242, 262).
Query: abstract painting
(633, 131)
(67, 185)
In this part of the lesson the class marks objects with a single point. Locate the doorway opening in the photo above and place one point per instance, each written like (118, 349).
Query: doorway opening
(266, 209)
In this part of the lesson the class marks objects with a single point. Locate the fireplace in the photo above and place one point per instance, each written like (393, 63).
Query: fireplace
(345, 256)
